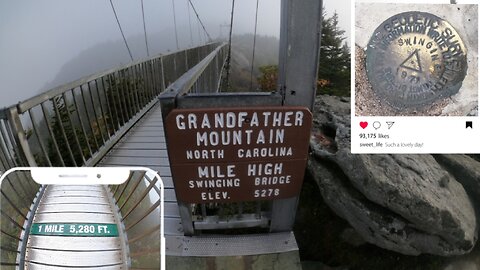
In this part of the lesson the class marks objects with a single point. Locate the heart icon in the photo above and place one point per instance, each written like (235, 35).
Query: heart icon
(363, 124)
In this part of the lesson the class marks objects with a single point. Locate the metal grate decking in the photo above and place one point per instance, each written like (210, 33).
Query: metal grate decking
(52, 246)
(144, 145)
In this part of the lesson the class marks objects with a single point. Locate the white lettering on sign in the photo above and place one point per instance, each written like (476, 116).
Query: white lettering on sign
(264, 169)
(205, 154)
(217, 195)
(272, 180)
(180, 121)
(224, 138)
(205, 122)
(102, 229)
(266, 193)
(215, 171)
(192, 121)
(53, 228)
(214, 183)
(265, 152)
(238, 137)
(265, 117)
(239, 119)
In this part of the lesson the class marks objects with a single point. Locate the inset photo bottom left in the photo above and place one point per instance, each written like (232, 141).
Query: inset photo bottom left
(89, 218)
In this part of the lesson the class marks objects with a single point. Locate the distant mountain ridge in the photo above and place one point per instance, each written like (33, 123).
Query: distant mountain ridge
(110, 54)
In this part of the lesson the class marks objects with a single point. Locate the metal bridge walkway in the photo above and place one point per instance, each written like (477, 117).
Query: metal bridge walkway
(53, 245)
(144, 145)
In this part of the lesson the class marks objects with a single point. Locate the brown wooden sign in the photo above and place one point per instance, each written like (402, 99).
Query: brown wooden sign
(238, 154)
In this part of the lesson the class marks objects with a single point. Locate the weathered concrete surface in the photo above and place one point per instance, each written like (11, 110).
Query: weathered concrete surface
(464, 18)
(280, 261)
(406, 203)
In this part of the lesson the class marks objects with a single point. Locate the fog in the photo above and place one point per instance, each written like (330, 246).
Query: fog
(47, 43)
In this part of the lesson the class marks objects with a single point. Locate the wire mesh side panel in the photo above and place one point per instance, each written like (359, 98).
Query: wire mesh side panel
(138, 200)
(18, 192)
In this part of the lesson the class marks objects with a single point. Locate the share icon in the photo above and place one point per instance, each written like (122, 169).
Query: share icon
(390, 124)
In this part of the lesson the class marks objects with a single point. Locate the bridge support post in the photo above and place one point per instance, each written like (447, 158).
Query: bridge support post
(20, 137)
(162, 68)
(300, 33)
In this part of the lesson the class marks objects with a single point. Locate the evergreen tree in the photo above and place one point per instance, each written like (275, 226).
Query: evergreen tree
(268, 79)
(334, 66)
(334, 63)
(58, 122)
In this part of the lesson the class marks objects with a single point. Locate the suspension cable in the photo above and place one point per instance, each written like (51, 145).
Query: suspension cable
(199, 34)
(190, 24)
(198, 17)
(121, 31)
(175, 24)
(229, 55)
(253, 50)
(145, 30)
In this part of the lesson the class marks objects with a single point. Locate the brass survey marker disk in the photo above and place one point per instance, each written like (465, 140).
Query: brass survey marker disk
(415, 58)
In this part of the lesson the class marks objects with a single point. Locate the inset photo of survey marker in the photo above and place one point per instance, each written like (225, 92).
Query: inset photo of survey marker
(416, 77)
(416, 60)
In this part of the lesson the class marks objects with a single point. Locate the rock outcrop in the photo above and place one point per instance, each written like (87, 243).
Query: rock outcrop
(411, 204)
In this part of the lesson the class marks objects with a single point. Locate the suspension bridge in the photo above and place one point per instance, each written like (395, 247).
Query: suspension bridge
(115, 118)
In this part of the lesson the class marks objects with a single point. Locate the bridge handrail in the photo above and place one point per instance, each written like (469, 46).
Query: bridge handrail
(75, 124)
(185, 83)
(23, 106)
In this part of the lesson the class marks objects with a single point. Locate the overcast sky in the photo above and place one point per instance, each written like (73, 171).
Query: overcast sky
(38, 37)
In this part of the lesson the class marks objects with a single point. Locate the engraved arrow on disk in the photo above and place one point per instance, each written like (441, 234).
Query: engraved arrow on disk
(412, 62)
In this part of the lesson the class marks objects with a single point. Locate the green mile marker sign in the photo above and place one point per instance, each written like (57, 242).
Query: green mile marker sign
(75, 229)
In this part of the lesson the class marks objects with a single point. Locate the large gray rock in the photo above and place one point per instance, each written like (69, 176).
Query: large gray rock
(466, 170)
(406, 203)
